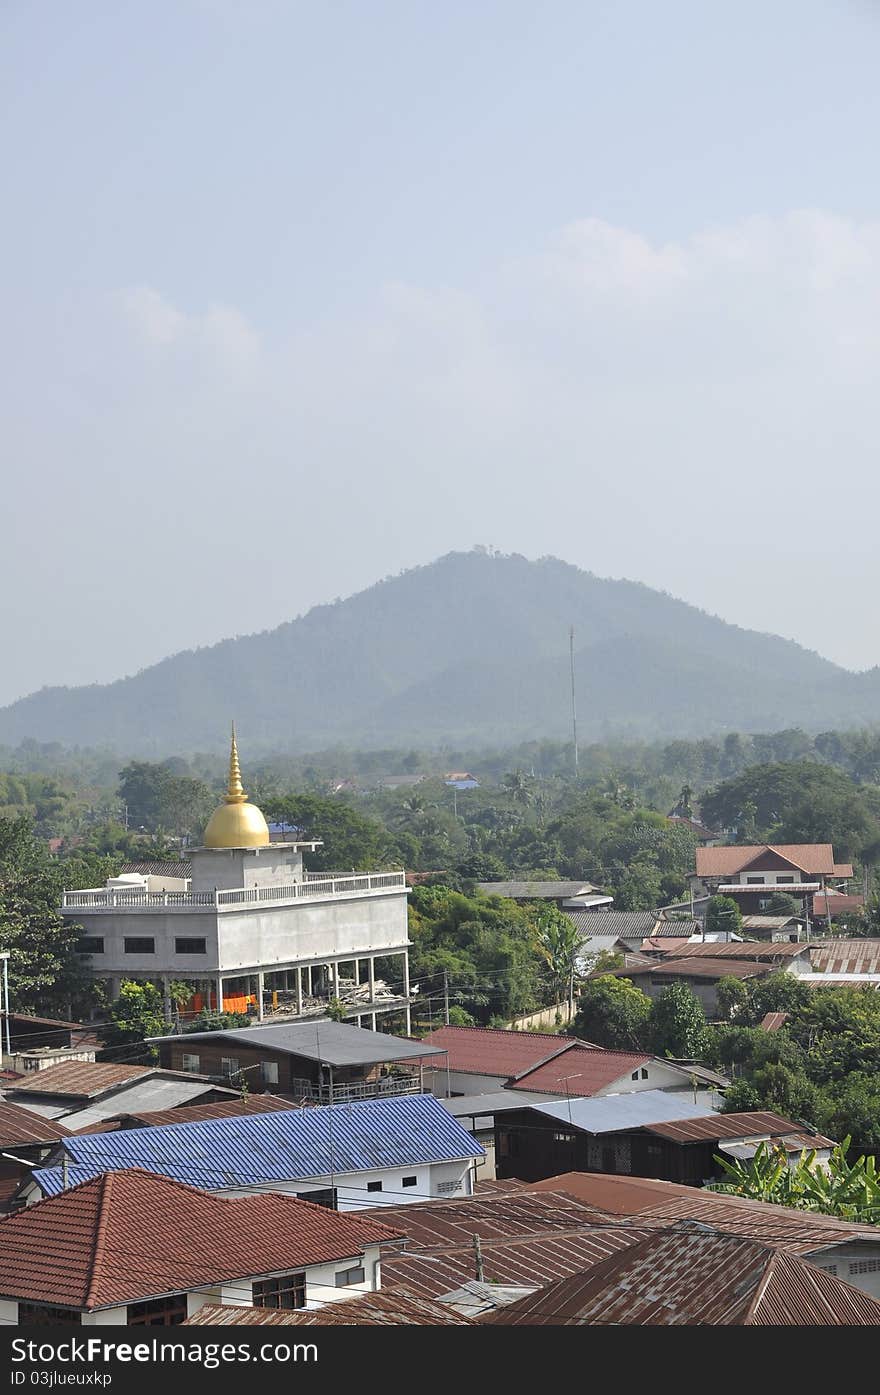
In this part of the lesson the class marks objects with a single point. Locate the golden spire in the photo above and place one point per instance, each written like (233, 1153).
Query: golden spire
(236, 824)
(234, 794)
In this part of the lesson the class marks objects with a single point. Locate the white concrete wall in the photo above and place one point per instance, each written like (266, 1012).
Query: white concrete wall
(248, 938)
(352, 1193)
(659, 1077)
(857, 1264)
(460, 1082)
(225, 868)
(8, 1312)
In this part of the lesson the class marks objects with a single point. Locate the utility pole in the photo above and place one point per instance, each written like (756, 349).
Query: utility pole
(574, 724)
(446, 996)
(5, 957)
(478, 1259)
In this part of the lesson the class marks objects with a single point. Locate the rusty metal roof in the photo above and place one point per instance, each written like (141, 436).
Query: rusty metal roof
(758, 1124)
(760, 950)
(383, 1309)
(20, 1127)
(846, 956)
(692, 1277)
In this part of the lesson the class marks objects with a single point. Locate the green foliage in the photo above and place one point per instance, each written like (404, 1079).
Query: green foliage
(351, 842)
(336, 1010)
(723, 916)
(208, 1021)
(46, 975)
(137, 1013)
(612, 1012)
(677, 1025)
(732, 997)
(158, 797)
(797, 802)
(458, 1017)
(850, 1190)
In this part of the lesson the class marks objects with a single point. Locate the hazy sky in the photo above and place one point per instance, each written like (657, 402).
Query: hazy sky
(295, 295)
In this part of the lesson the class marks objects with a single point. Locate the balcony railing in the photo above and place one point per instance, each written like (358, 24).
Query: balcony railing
(399, 1083)
(312, 888)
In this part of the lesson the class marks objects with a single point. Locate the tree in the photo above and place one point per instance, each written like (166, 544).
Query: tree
(732, 997)
(137, 1013)
(836, 1188)
(613, 1013)
(723, 916)
(350, 841)
(677, 1024)
(558, 942)
(46, 975)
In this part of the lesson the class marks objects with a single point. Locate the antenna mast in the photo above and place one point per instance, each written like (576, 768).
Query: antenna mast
(574, 723)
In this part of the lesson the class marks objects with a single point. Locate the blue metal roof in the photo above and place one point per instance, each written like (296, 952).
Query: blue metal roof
(293, 1144)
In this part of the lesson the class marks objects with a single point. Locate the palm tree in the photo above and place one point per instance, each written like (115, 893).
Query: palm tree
(558, 942)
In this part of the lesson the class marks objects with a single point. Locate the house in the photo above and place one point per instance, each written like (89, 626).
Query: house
(87, 1092)
(704, 835)
(567, 895)
(461, 780)
(848, 1249)
(142, 1250)
(753, 874)
(644, 1135)
(27, 1032)
(604, 929)
(689, 1277)
(702, 966)
(251, 923)
(317, 1062)
(773, 927)
(489, 1059)
(347, 1156)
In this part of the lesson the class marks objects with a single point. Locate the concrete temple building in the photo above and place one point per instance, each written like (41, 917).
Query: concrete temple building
(251, 929)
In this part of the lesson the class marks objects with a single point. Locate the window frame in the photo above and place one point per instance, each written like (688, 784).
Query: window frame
(129, 941)
(280, 1286)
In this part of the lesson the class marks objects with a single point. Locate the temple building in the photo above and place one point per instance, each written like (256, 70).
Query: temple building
(250, 929)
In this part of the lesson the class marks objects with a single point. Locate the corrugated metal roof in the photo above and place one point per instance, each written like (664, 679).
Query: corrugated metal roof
(438, 1225)
(329, 1043)
(20, 1127)
(79, 1079)
(759, 1124)
(396, 1309)
(610, 1113)
(689, 1277)
(291, 1145)
(628, 924)
(846, 956)
(696, 967)
(144, 1094)
(550, 891)
(494, 1050)
(495, 1102)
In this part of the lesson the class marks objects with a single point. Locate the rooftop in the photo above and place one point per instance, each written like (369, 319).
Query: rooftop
(688, 1277)
(494, 1050)
(131, 1235)
(758, 1124)
(695, 966)
(815, 859)
(329, 1043)
(192, 1114)
(541, 891)
(613, 1113)
(758, 950)
(628, 924)
(395, 1309)
(845, 956)
(21, 1127)
(80, 1080)
(312, 888)
(581, 1071)
(250, 1150)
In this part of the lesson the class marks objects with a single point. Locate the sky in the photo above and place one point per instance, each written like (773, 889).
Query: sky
(296, 296)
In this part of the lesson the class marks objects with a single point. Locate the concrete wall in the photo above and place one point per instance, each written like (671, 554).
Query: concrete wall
(459, 1082)
(352, 1193)
(225, 868)
(545, 1018)
(248, 938)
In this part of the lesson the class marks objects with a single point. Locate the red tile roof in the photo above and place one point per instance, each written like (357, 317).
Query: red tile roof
(493, 1050)
(132, 1235)
(581, 1071)
(80, 1079)
(693, 1278)
(20, 1127)
(814, 858)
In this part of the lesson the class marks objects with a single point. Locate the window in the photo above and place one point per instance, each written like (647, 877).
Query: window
(189, 1061)
(286, 1292)
(374, 1186)
(158, 1312)
(355, 1275)
(858, 1266)
(644, 1073)
(41, 1315)
(635, 1075)
(447, 1188)
(228, 1065)
(563, 1138)
(269, 1072)
(183, 946)
(785, 881)
(139, 944)
(90, 944)
(755, 881)
(410, 1181)
(323, 1196)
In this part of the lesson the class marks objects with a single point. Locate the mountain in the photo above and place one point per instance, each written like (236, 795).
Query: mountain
(473, 647)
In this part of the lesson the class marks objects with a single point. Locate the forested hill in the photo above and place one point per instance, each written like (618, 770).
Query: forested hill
(473, 647)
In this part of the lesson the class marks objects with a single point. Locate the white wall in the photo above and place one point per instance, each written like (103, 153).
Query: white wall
(659, 1077)
(432, 1181)
(460, 1082)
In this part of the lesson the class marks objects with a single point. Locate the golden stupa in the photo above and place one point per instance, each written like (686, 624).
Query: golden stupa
(236, 824)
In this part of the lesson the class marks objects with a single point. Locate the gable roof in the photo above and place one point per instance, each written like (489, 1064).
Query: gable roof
(627, 924)
(688, 1277)
(130, 1235)
(329, 1043)
(581, 1071)
(760, 951)
(755, 1124)
(695, 966)
(538, 891)
(494, 1050)
(816, 859)
(250, 1150)
(846, 956)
